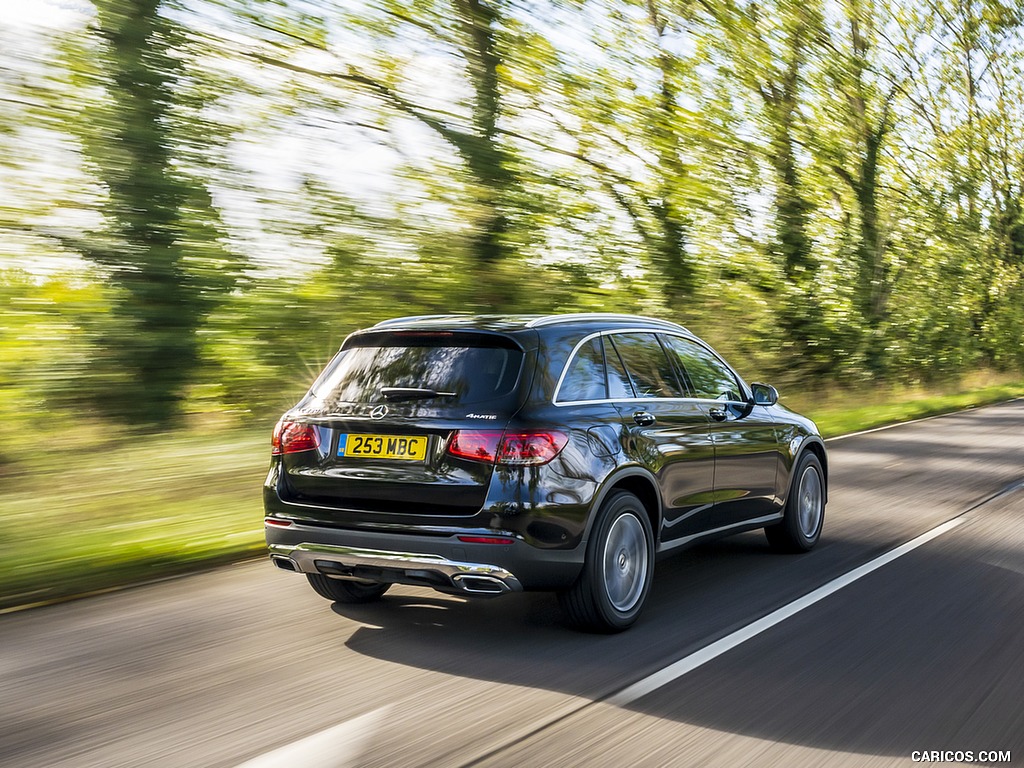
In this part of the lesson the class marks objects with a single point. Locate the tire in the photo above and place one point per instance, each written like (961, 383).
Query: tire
(611, 589)
(341, 591)
(804, 516)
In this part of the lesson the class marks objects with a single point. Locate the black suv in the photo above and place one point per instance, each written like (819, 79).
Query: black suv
(487, 454)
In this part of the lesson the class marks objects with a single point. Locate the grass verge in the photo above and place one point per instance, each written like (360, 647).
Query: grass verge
(844, 413)
(96, 518)
(84, 519)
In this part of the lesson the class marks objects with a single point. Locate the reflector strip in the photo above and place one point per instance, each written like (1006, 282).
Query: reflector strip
(486, 540)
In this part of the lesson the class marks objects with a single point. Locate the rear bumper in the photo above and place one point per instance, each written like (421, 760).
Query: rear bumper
(395, 567)
(437, 561)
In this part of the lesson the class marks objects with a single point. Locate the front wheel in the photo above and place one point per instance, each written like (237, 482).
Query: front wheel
(800, 527)
(341, 591)
(611, 590)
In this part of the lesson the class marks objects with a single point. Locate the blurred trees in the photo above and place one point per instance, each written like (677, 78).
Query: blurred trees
(831, 190)
(864, 116)
(156, 221)
(155, 236)
(766, 49)
(481, 47)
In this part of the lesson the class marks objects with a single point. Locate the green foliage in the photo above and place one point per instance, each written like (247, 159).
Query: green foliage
(160, 246)
(47, 337)
(200, 200)
(816, 188)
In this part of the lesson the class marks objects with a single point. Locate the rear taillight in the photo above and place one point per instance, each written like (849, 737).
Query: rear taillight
(530, 447)
(291, 437)
(476, 445)
(516, 448)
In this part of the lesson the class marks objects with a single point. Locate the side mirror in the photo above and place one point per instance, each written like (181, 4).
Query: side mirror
(764, 394)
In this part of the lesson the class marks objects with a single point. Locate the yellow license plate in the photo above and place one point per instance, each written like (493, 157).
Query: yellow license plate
(407, 447)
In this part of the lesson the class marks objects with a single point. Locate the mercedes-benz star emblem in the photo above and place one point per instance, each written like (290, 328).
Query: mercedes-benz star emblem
(379, 412)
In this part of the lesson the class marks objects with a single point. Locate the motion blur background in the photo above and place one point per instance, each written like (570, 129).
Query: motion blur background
(199, 199)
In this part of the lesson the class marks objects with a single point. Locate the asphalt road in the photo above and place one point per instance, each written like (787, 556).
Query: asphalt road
(926, 653)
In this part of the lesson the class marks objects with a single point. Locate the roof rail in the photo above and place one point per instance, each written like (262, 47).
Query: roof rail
(412, 318)
(580, 316)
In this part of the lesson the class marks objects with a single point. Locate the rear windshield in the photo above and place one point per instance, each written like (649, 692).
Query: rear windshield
(476, 369)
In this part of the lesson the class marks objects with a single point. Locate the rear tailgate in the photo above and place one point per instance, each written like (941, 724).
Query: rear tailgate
(381, 454)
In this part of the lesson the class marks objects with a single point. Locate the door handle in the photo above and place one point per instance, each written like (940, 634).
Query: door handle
(643, 418)
(718, 414)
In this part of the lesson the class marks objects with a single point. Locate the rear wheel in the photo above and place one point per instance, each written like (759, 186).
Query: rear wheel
(341, 591)
(612, 588)
(800, 527)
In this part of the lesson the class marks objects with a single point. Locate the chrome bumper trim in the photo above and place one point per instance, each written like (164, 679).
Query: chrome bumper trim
(465, 577)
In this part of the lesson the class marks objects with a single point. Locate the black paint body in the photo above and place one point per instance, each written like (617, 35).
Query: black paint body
(699, 476)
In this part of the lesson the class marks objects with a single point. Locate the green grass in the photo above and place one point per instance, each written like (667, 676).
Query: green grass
(849, 412)
(100, 517)
(81, 515)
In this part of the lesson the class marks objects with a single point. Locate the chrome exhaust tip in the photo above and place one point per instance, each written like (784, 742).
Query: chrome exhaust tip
(480, 585)
(285, 563)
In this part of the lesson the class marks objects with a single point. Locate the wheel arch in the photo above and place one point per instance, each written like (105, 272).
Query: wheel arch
(641, 484)
(816, 446)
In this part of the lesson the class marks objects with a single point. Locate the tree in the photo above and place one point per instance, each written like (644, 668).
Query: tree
(960, 76)
(670, 170)
(159, 247)
(621, 111)
(767, 48)
(474, 31)
(859, 121)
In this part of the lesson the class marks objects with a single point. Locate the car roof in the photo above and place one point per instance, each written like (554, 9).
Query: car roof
(509, 323)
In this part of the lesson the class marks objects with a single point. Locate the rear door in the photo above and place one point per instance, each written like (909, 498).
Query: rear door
(385, 410)
(668, 431)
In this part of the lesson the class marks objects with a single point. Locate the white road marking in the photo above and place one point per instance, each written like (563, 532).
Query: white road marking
(698, 658)
(336, 747)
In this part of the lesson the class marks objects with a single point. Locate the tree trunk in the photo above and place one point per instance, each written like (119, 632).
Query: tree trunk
(484, 155)
(155, 343)
(670, 257)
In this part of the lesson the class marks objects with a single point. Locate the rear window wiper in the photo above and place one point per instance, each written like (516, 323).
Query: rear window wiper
(413, 393)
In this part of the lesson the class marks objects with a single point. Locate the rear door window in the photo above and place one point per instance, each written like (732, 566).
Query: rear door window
(619, 387)
(474, 369)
